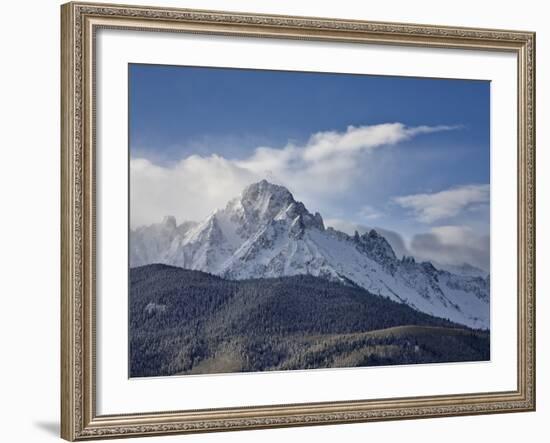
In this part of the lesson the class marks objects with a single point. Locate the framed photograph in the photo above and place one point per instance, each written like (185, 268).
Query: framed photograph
(282, 221)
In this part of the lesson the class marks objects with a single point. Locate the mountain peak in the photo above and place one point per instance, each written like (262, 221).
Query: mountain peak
(264, 200)
(270, 201)
(169, 221)
(264, 189)
(375, 245)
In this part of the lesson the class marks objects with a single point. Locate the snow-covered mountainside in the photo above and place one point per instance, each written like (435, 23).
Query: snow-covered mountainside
(463, 269)
(265, 232)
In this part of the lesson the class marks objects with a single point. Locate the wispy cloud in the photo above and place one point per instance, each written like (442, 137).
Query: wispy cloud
(327, 164)
(324, 145)
(332, 152)
(369, 213)
(445, 204)
(452, 245)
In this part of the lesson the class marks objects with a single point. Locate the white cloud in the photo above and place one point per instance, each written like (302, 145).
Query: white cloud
(189, 190)
(327, 164)
(453, 235)
(331, 154)
(324, 145)
(452, 245)
(428, 208)
(369, 213)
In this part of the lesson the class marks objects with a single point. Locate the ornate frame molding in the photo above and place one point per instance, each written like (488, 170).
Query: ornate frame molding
(79, 420)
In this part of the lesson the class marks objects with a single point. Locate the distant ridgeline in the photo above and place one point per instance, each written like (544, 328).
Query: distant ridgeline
(191, 322)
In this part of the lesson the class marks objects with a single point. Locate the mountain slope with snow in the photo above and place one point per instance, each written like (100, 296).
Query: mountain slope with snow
(266, 233)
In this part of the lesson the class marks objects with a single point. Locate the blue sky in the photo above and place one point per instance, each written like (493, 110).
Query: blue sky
(208, 131)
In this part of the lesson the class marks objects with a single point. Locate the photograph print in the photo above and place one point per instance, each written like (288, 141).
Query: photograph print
(301, 220)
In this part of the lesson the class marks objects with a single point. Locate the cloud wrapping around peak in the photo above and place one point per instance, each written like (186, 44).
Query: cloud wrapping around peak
(429, 208)
(453, 245)
(329, 164)
(443, 245)
(326, 165)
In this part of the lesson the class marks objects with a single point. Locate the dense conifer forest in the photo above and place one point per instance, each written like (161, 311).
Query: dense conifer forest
(190, 322)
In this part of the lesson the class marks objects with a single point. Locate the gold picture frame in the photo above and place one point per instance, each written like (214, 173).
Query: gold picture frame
(79, 22)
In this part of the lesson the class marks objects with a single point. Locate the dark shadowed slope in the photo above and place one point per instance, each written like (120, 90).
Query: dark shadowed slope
(185, 321)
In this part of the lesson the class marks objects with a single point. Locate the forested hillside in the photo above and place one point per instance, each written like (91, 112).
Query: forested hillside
(185, 321)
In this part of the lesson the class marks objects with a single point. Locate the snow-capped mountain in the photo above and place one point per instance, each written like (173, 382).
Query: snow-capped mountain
(265, 232)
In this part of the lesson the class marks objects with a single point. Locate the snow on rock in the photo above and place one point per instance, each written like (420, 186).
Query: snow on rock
(265, 232)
